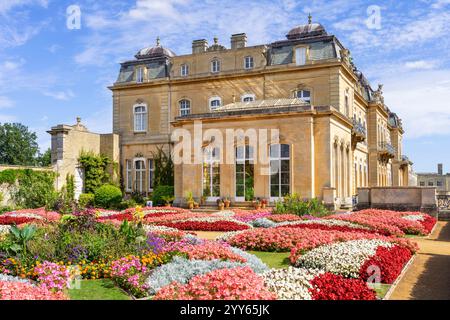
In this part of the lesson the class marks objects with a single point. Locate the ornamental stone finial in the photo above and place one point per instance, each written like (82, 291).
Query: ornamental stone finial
(216, 40)
(78, 120)
(158, 41)
(309, 18)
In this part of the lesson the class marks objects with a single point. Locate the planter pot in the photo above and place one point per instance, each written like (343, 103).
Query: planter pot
(191, 205)
(263, 206)
(196, 205)
(227, 203)
(221, 207)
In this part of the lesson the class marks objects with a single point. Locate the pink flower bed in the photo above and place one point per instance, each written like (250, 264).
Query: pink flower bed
(207, 250)
(218, 225)
(250, 215)
(385, 221)
(319, 226)
(28, 215)
(52, 276)
(240, 283)
(173, 217)
(298, 240)
(284, 217)
(25, 291)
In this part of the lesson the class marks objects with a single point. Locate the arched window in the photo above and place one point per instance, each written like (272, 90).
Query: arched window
(215, 102)
(211, 173)
(248, 62)
(185, 107)
(305, 95)
(139, 174)
(215, 65)
(280, 170)
(184, 70)
(249, 97)
(140, 118)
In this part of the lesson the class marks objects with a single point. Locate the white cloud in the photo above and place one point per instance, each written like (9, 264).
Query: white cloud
(440, 4)
(7, 118)
(421, 65)
(60, 95)
(421, 99)
(8, 5)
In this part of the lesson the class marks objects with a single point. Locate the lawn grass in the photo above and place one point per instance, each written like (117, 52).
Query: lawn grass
(103, 289)
(278, 260)
(381, 289)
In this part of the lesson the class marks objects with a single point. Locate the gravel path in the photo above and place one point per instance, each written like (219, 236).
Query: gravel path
(428, 278)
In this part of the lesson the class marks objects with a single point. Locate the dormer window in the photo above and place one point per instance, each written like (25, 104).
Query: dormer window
(305, 95)
(215, 66)
(140, 75)
(300, 56)
(248, 63)
(140, 118)
(214, 103)
(184, 70)
(248, 97)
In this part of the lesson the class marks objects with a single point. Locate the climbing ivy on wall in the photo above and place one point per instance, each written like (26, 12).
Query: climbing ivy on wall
(29, 188)
(95, 170)
(164, 169)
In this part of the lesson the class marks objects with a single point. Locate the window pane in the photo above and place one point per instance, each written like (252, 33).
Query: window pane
(239, 190)
(275, 151)
(285, 151)
(285, 178)
(284, 190)
(274, 166)
(285, 165)
(300, 56)
(274, 191)
(275, 179)
(240, 153)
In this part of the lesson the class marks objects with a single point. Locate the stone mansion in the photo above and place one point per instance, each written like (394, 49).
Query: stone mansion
(335, 132)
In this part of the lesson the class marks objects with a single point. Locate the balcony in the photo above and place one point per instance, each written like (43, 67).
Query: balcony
(359, 133)
(405, 161)
(386, 151)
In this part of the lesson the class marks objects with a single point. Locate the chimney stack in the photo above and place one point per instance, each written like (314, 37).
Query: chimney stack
(440, 169)
(238, 40)
(199, 46)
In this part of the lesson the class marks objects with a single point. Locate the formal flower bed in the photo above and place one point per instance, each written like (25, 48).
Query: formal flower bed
(329, 286)
(29, 215)
(390, 222)
(239, 283)
(207, 224)
(15, 290)
(284, 217)
(311, 284)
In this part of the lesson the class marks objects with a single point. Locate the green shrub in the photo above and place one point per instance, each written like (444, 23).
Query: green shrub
(125, 204)
(107, 196)
(95, 170)
(160, 193)
(34, 189)
(294, 205)
(9, 176)
(86, 200)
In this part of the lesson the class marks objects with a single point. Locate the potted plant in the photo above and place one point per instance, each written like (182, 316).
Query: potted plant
(202, 200)
(196, 205)
(256, 204)
(263, 203)
(190, 200)
(168, 200)
(220, 204)
(227, 202)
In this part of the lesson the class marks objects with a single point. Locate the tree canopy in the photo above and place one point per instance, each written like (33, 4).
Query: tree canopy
(18, 145)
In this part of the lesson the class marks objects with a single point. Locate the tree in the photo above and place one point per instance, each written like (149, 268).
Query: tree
(18, 145)
(45, 159)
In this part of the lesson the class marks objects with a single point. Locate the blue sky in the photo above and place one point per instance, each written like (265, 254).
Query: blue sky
(50, 74)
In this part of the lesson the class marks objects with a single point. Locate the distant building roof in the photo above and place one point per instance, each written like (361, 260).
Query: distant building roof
(153, 52)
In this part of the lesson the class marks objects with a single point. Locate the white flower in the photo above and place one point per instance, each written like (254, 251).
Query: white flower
(344, 258)
(291, 283)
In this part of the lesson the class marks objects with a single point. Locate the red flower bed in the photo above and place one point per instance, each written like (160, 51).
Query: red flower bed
(284, 217)
(206, 225)
(318, 226)
(8, 220)
(428, 223)
(390, 261)
(329, 286)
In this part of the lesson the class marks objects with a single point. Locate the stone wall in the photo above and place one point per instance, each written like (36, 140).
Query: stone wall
(398, 198)
(5, 189)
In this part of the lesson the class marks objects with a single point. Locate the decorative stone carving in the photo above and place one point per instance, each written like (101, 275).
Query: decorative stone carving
(345, 57)
(378, 94)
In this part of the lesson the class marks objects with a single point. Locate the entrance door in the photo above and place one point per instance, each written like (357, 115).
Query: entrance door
(211, 174)
(280, 181)
(244, 173)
